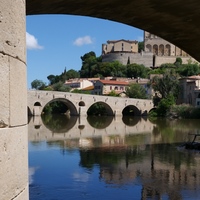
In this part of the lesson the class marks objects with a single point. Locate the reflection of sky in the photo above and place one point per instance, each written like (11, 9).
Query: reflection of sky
(56, 174)
(81, 177)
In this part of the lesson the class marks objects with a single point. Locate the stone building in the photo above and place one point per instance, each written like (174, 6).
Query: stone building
(129, 46)
(189, 91)
(157, 51)
(125, 51)
(164, 51)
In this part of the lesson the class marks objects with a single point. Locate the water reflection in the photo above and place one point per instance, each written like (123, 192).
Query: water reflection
(116, 158)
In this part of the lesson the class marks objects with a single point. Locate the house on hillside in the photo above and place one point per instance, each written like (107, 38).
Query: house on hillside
(189, 91)
(80, 84)
(104, 87)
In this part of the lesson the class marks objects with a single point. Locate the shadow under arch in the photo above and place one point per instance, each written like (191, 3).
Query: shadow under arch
(100, 122)
(131, 110)
(59, 123)
(72, 109)
(100, 108)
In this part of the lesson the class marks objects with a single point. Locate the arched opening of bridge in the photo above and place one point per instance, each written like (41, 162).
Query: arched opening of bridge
(131, 111)
(100, 109)
(60, 106)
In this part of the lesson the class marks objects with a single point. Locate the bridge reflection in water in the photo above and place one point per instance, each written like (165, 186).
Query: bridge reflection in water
(130, 153)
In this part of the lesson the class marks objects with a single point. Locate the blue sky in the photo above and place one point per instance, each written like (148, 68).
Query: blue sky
(58, 41)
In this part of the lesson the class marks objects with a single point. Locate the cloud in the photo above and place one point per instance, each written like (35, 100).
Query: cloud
(31, 42)
(83, 41)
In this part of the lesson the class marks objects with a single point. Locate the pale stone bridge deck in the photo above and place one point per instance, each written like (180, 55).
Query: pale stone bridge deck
(79, 104)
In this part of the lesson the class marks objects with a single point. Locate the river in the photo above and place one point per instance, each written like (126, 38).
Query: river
(112, 158)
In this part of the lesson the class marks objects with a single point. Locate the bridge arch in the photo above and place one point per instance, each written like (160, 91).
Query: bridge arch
(72, 109)
(131, 110)
(107, 110)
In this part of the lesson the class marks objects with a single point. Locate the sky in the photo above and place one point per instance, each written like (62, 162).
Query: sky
(56, 42)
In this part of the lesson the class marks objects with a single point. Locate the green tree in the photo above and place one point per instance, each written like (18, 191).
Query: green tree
(164, 105)
(113, 94)
(178, 61)
(166, 84)
(189, 69)
(38, 84)
(89, 62)
(140, 46)
(53, 79)
(60, 86)
(135, 70)
(72, 74)
(135, 90)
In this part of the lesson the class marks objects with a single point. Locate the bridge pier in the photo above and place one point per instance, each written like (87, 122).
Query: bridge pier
(13, 102)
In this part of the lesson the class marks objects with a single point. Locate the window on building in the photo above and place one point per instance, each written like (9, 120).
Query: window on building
(110, 87)
(116, 88)
(121, 88)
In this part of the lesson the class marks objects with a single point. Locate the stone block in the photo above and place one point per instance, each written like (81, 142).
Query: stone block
(18, 93)
(14, 163)
(13, 29)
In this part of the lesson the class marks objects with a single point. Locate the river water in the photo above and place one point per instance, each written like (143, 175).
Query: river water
(112, 158)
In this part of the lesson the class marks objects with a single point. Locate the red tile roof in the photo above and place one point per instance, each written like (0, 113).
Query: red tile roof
(111, 82)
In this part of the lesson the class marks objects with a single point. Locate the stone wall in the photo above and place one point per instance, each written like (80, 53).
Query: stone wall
(143, 58)
(159, 60)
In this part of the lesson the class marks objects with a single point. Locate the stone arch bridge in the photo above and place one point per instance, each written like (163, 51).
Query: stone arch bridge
(79, 104)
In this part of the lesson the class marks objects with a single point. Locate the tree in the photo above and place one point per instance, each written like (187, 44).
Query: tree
(60, 86)
(166, 84)
(38, 84)
(72, 74)
(140, 46)
(135, 70)
(135, 90)
(113, 94)
(178, 61)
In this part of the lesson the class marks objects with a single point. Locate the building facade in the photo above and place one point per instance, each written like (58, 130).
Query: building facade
(157, 51)
(189, 91)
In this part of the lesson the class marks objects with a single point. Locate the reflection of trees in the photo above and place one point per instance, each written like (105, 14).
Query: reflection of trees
(100, 122)
(59, 123)
(122, 165)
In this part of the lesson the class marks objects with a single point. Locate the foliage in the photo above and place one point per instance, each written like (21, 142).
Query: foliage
(55, 107)
(166, 85)
(178, 61)
(97, 109)
(135, 70)
(70, 74)
(113, 94)
(135, 90)
(189, 70)
(164, 105)
(80, 91)
(59, 86)
(185, 111)
(140, 46)
(38, 84)
(63, 76)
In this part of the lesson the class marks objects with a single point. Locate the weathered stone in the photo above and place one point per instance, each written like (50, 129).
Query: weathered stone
(14, 163)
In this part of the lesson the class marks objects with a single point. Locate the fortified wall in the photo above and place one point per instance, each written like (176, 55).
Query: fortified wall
(142, 58)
